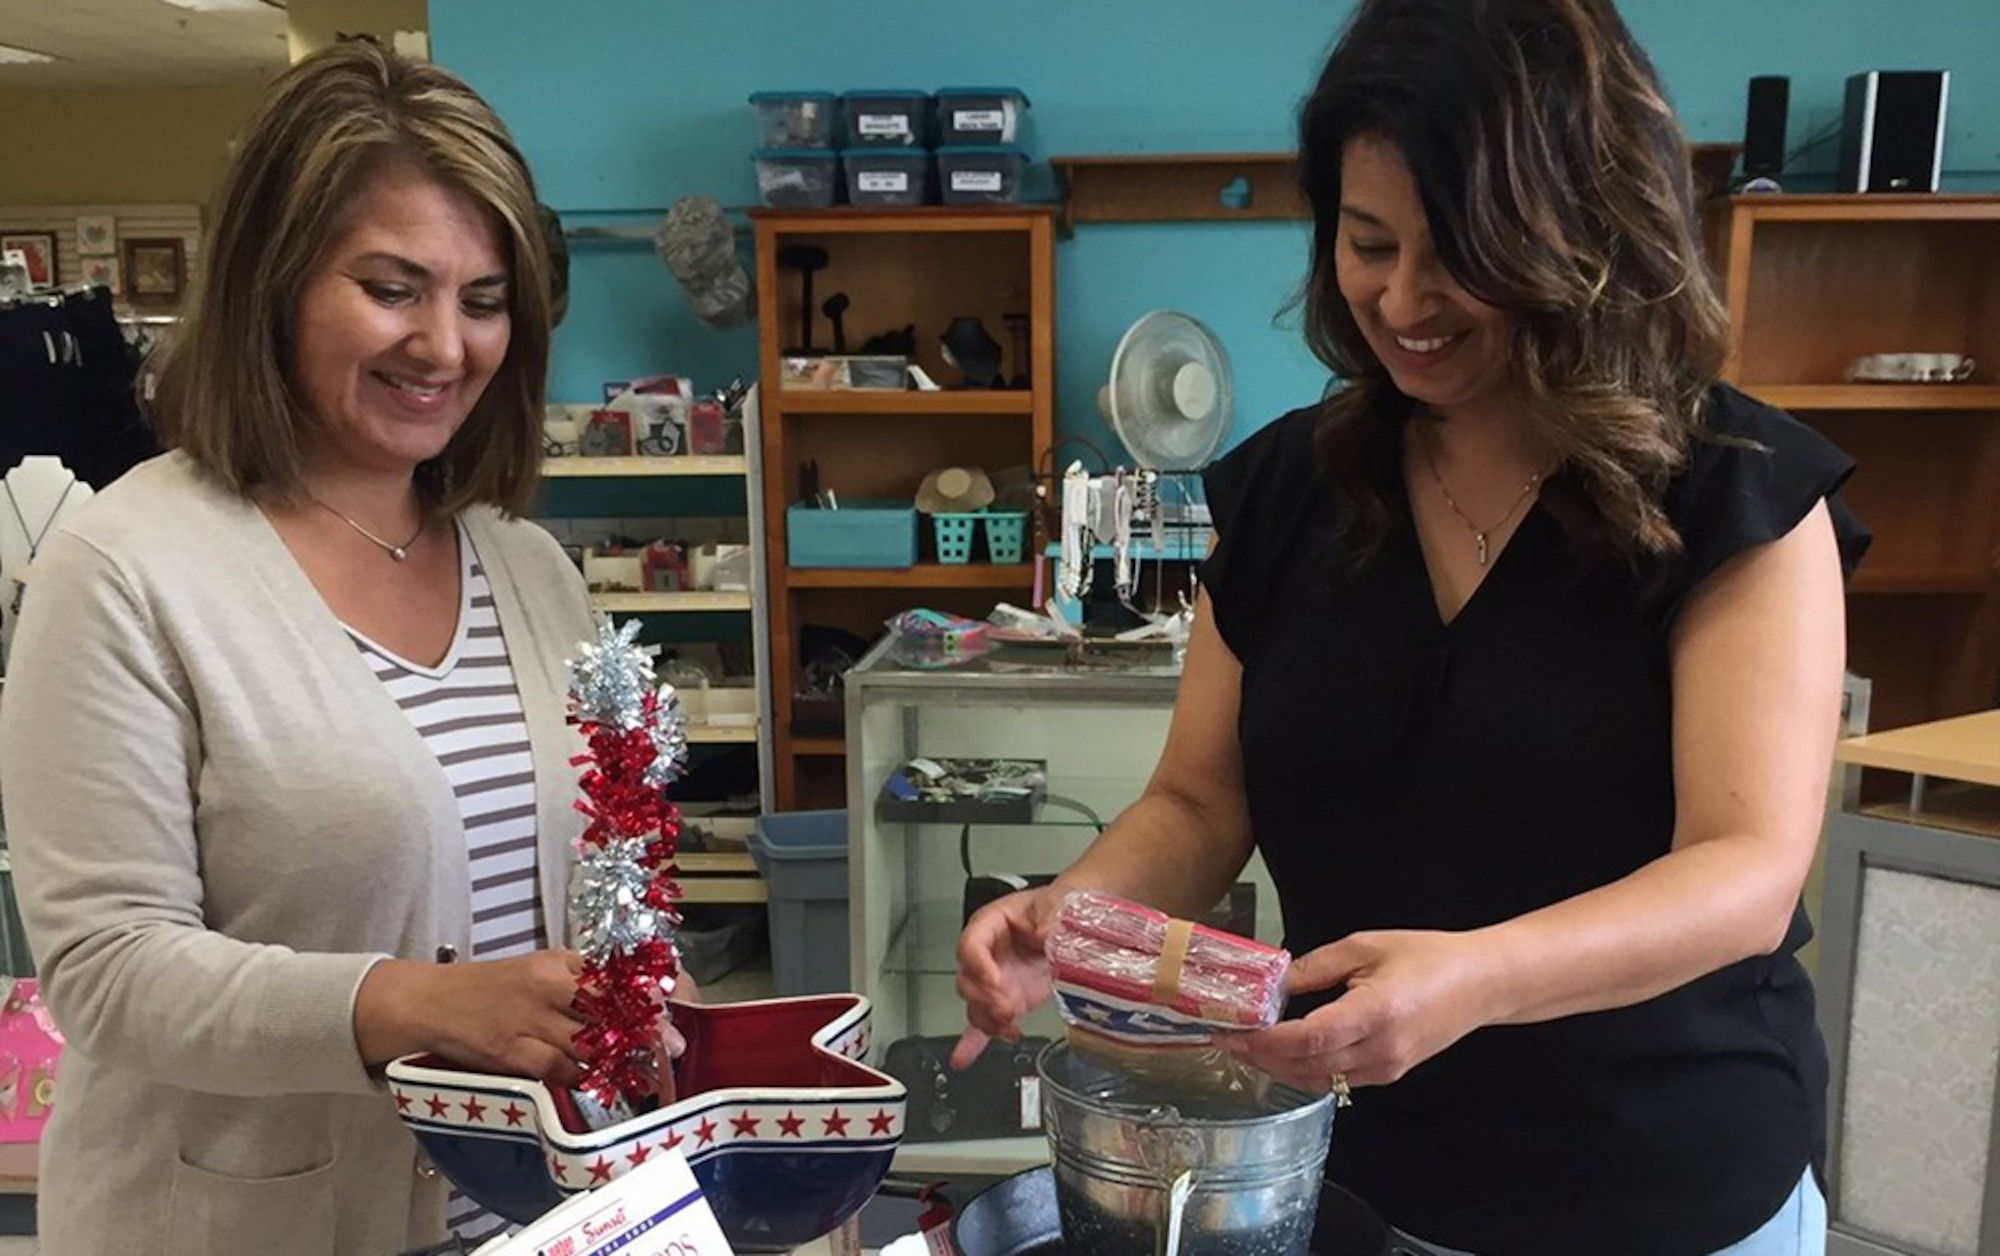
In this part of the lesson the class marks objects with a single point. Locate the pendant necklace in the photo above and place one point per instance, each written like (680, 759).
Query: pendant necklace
(400, 553)
(33, 538)
(1480, 536)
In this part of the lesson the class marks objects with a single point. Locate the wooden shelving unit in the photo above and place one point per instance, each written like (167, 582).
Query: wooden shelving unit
(1814, 282)
(915, 267)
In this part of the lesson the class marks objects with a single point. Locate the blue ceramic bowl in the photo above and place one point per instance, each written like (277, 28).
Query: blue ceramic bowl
(787, 1131)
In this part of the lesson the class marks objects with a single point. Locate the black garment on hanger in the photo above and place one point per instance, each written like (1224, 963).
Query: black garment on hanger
(35, 388)
(67, 388)
(109, 434)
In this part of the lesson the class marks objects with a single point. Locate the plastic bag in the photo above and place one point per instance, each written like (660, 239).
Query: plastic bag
(1147, 993)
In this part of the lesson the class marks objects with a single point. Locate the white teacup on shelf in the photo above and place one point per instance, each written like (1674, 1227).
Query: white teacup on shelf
(1911, 368)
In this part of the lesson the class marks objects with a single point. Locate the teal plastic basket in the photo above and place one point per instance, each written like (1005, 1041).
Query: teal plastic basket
(1007, 536)
(955, 534)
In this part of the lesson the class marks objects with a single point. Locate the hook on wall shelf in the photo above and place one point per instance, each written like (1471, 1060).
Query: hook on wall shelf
(1178, 187)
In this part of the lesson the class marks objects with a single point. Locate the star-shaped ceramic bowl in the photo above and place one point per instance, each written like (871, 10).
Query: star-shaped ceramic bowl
(787, 1130)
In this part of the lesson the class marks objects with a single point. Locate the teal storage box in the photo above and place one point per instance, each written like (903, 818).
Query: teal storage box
(879, 534)
(803, 858)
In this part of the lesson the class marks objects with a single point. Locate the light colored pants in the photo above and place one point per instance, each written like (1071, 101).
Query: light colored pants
(1798, 1228)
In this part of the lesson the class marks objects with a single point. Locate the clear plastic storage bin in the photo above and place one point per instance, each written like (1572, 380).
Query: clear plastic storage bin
(887, 176)
(797, 178)
(891, 118)
(980, 174)
(796, 119)
(979, 115)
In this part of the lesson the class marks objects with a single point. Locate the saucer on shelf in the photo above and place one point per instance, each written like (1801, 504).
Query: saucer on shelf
(1911, 368)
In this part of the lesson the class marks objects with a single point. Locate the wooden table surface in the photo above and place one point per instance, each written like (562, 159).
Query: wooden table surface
(1963, 749)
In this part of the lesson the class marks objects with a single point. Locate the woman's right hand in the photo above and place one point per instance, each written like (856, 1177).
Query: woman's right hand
(509, 1016)
(1002, 972)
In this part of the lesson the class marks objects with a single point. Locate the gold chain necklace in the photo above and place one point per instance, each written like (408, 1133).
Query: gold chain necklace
(398, 552)
(1480, 536)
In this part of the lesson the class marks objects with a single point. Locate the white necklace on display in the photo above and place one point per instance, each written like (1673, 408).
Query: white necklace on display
(400, 553)
(1480, 536)
(32, 537)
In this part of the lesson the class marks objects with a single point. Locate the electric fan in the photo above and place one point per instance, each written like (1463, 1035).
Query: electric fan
(1170, 398)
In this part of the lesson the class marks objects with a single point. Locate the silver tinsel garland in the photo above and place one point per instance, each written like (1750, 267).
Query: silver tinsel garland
(610, 679)
(607, 900)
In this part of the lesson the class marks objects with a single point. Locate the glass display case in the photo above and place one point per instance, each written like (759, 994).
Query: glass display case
(1091, 724)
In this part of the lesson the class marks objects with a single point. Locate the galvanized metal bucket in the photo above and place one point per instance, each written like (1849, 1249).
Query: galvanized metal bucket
(1140, 1171)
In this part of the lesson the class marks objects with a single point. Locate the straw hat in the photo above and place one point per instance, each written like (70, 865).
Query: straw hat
(954, 490)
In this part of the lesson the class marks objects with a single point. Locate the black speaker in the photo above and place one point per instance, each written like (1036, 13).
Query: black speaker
(1764, 126)
(1892, 134)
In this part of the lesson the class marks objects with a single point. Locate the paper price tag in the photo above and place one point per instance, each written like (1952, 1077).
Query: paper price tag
(655, 1210)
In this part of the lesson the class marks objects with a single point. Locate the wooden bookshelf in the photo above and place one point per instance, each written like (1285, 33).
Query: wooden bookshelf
(920, 268)
(1814, 282)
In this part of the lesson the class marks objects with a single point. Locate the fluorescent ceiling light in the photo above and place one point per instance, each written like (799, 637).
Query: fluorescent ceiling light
(10, 55)
(226, 6)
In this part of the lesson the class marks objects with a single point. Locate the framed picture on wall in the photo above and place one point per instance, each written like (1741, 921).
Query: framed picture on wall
(96, 235)
(39, 247)
(101, 272)
(154, 269)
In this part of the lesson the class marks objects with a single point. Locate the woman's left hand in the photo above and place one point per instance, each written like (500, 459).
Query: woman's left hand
(1410, 994)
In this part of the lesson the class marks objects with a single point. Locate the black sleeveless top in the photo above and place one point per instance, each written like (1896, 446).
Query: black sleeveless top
(1407, 774)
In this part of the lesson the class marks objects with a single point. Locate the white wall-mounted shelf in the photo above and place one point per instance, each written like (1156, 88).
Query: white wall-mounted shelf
(669, 603)
(722, 734)
(683, 464)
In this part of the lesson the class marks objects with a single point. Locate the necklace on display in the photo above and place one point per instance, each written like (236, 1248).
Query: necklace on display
(1481, 537)
(32, 537)
(400, 553)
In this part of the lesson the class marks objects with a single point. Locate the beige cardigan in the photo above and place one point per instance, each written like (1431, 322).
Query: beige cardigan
(219, 820)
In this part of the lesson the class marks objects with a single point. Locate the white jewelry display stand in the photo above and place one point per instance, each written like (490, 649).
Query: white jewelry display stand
(44, 492)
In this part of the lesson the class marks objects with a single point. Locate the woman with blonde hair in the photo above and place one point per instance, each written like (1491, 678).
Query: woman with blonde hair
(1519, 659)
(285, 721)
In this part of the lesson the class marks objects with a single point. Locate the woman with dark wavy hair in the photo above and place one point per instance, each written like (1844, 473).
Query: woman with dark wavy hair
(1519, 659)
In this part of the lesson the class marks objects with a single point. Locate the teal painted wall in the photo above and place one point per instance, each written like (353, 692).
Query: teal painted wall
(625, 105)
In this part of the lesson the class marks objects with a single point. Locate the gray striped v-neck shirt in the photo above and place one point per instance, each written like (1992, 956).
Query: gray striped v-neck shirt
(468, 712)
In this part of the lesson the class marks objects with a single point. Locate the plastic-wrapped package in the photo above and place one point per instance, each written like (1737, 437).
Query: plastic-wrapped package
(1138, 975)
(1145, 993)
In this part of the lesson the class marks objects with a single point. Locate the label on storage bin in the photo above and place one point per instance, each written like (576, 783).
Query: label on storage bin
(883, 123)
(883, 180)
(977, 181)
(979, 119)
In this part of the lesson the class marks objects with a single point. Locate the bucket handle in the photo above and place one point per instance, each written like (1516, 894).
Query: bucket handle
(1177, 1198)
(1167, 1151)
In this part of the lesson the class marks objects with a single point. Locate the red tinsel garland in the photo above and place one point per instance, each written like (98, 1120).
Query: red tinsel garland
(621, 991)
